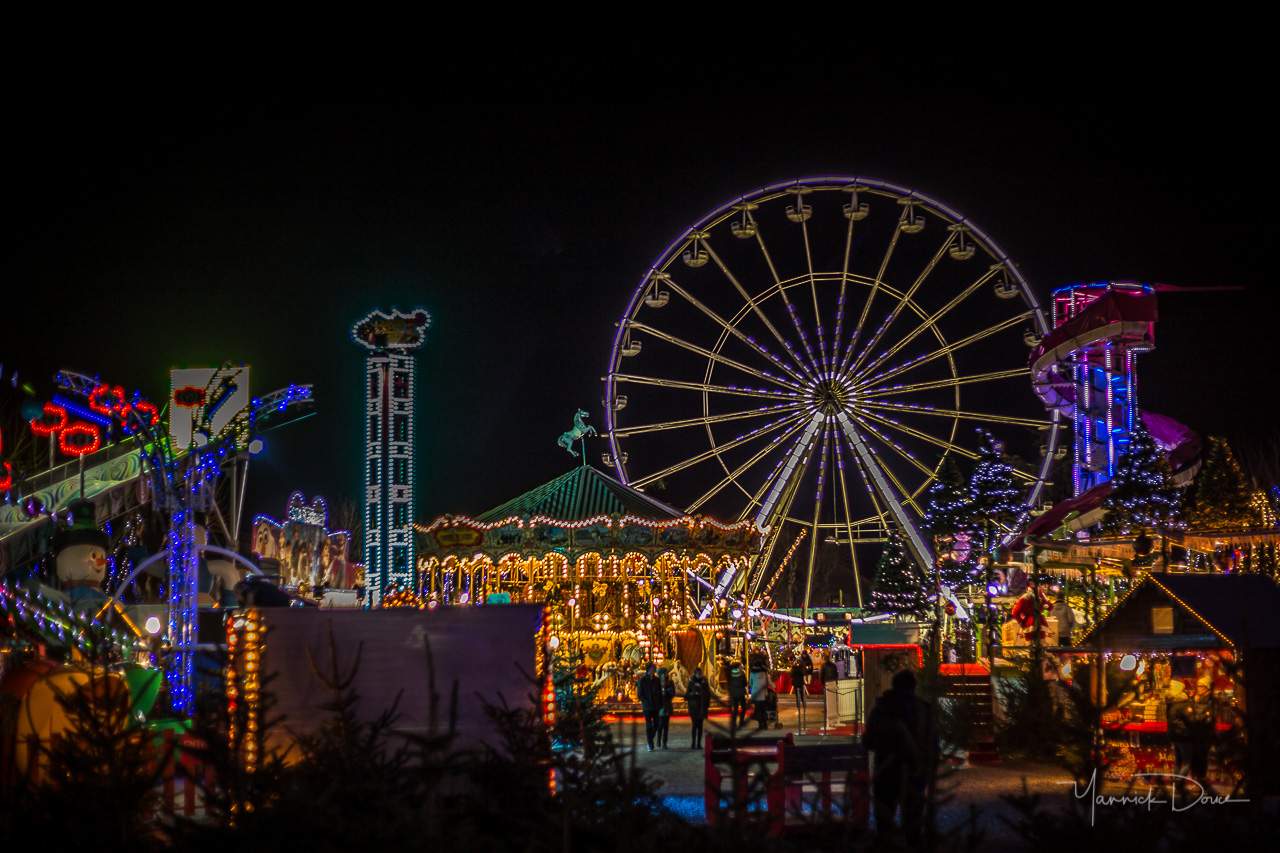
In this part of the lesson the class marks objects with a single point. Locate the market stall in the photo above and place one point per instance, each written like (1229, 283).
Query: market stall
(1187, 678)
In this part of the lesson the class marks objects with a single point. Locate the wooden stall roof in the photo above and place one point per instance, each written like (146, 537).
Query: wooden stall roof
(1242, 611)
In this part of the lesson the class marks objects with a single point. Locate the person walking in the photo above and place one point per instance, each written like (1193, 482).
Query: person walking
(760, 695)
(737, 695)
(902, 735)
(801, 670)
(666, 696)
(649, 692)
(698, 697)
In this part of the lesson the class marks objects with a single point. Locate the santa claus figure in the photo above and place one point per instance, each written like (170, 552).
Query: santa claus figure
(80, 553)
(1029, 614)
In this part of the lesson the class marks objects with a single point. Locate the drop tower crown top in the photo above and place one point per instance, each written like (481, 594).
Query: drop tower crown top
(398, 331)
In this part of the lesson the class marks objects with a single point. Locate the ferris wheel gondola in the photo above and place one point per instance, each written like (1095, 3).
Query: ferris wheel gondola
(818, 341)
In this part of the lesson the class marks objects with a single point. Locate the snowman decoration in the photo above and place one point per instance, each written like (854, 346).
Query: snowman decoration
(80, 554)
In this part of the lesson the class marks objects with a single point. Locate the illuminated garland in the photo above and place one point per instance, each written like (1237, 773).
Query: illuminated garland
(692, 521)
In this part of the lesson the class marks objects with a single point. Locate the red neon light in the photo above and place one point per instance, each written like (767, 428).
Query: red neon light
(79, 438)
(114, 403)
(147, 412)
(42, 424)
(6, 479)
(188, 396)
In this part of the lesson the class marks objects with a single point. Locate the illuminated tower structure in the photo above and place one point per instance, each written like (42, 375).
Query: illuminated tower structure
(391, 341)
(1086, 368)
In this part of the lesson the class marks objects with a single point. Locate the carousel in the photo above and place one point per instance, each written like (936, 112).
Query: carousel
(622, 575)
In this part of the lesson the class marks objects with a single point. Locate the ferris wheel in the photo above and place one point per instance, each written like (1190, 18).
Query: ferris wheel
(809, 354)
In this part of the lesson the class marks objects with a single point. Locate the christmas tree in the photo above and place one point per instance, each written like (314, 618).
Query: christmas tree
(995, 501)
(1221, 495)
(1142, 493)
(947, 520)
(946, 501)
(898, 587)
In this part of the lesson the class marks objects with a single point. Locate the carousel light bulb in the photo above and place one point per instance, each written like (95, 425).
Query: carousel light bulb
(153, 625)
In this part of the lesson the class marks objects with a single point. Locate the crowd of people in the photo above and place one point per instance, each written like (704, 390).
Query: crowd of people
(750, 695)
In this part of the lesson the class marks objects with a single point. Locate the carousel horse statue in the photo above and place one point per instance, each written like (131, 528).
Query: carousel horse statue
(580, 429)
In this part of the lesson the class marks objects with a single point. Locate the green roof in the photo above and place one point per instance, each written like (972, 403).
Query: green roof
(580, 494)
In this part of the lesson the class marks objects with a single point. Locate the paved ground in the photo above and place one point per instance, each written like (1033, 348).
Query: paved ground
(681, 771)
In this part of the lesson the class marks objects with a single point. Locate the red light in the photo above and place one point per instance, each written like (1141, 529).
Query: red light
(188, 396)
(6, 479)
(79, 438)
(53, 420)
(147, 413)
(106, 400)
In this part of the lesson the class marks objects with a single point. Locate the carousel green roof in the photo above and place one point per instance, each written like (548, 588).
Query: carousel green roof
(581, 494)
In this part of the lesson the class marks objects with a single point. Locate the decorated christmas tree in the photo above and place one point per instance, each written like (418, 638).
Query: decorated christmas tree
(1221, 495)
(899, 587)
(995, 501)
(947, 519)
(1142, 495)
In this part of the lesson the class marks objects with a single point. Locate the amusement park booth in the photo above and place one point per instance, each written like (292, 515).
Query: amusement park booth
(620, 573)
(1174, 642)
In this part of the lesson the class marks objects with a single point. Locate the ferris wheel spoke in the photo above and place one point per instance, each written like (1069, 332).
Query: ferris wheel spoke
(901, 451)
(875, 285)
(903, 302)
(782, 292)
(813, 290)
(744, 467)
(734, 330)
(844, 284)
(817, 516)
(931, 321)
(985, 417)
(707, 454)
(949, 348)
(703, 387)
(662, 426)
(949, 382)
(920, 434)
(790, 490)
(792, 466)
(887, 472)
(756, 309)
(952, 447)
(710, 354)
(848, 519)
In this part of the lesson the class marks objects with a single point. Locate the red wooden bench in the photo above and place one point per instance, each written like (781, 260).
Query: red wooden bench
(818, 784)
(734, 760)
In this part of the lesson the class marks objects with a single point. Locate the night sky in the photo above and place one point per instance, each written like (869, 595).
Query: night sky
(160, 222)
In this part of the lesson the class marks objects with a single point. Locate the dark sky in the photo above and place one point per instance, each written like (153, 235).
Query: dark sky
(159, 221)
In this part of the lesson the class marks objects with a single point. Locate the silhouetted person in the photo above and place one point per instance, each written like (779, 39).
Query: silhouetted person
(760, 695)
(737, 695)
(666, 696)
(649, 692)
(801, 669)
(900, 731)
(698, 697)
(1191, 730)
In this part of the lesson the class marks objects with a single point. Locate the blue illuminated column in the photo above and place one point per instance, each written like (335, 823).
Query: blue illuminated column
(392, 341)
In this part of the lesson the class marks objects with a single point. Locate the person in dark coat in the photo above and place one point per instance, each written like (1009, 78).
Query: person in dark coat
(698, 697)
(829, 671)
(801, 669)
(1191, 729)
(902, 734)
(666, 696)
(760, 695)
(649, 692)
(737, 695)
